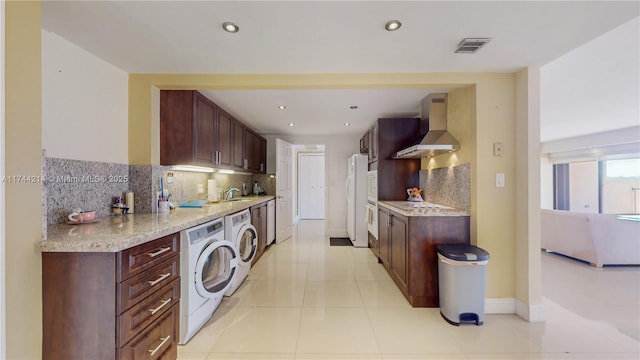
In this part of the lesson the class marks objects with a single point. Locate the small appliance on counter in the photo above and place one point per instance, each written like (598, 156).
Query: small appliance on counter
(118, 207)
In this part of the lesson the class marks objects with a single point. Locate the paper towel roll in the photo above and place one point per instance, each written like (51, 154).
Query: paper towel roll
(212, 189)
(129, 201)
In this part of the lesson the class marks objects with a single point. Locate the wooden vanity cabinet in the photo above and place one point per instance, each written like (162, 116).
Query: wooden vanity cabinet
(407, 250)
(122, 305)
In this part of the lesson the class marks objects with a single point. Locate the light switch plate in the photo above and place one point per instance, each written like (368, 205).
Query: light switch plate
(500, 180)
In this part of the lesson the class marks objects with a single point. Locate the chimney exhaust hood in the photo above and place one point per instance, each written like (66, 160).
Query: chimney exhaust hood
(434, 139)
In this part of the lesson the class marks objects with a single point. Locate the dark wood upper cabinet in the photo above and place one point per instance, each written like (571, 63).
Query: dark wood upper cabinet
(364, 143)
(195, 131)
(238, 145)
(387, 136)
(225, 138)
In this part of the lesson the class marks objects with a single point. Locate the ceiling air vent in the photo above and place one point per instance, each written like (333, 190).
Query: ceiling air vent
(471, 45)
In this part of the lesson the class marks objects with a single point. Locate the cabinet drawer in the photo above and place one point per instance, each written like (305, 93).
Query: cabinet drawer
(133, 290)
(147, 311)
(158, 342)
(139, 258)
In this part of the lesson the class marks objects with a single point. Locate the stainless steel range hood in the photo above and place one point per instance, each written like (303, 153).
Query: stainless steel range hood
(434, 138)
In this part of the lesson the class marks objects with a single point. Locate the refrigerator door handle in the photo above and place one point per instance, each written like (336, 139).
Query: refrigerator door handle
(346, 188)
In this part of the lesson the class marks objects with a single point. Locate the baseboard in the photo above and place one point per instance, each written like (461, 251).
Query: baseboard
(500, 306)
(531, 313)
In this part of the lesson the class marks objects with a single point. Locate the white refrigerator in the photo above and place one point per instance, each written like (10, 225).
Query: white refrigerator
(357, 200)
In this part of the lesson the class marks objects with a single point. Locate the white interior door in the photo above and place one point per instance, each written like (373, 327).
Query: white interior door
(284, 190)
(311, 185)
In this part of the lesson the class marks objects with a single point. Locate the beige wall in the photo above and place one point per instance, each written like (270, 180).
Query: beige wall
(22, 149)
(480, 116)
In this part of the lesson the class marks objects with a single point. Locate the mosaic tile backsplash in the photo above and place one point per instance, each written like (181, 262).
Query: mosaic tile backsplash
(449, 186)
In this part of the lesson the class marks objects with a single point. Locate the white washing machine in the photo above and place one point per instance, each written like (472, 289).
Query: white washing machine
(243, 235)
(208, 266)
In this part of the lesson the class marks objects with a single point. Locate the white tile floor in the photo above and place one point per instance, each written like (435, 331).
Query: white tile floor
(307, 300)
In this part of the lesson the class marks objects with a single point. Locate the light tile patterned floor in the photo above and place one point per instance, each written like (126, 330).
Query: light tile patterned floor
(307, 300)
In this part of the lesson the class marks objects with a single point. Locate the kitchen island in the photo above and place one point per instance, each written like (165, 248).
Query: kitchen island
(408, 234)
(111, 288)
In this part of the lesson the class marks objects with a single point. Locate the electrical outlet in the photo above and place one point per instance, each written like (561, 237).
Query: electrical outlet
(500, 180)
(497, 149)
(200, 189)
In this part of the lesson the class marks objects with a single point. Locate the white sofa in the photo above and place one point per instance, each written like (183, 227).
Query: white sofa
(599, 239)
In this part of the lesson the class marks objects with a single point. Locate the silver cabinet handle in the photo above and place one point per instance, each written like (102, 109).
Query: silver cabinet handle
(162, 277)
(245, 163)
(162, 304)
(161, 251)
(164, 340)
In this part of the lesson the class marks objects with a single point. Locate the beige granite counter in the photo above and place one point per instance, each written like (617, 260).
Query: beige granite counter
(113, 234)
(410, 208)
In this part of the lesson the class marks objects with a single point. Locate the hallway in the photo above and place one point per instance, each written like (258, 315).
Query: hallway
(307, 300)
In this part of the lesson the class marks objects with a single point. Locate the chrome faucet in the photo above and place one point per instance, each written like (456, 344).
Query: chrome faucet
(228, 195)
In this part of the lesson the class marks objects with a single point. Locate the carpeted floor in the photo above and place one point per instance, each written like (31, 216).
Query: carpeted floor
(341, 241)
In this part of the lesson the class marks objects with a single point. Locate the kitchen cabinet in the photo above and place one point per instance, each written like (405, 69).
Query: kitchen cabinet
(372, 150)
(259, 221)
(238, 145)
(195, 131)
(407, 250)
(255, 152)
(112, 305)
(364, 143)
(394, 175)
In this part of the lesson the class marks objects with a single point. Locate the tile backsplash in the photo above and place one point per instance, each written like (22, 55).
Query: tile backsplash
(88, 185)
(91, 185)
(449, 186)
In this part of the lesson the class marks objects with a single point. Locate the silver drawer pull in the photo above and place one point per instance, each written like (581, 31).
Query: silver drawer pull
(162, 304)
(164, 340)
(161, 251)
(162, 277)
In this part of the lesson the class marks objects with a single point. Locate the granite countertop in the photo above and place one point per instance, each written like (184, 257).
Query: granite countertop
(113, 234)
(411, 208)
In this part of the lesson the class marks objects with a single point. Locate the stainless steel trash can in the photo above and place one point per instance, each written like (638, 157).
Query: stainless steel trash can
(462, 273)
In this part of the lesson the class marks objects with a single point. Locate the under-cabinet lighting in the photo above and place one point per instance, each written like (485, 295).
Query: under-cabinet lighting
(192, 168)
(226, 171)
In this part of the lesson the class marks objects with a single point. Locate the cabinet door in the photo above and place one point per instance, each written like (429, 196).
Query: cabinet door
(399, 242)
(176, 127)
(373, 144)
(262, 155)
(256, 221)
(203, 131)
(383, 236)
(225, 122)
(238, 145)
(251, 146)
(364, 143)
(262, 242)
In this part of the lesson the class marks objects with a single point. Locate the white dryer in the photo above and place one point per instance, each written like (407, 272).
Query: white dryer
(243, 235)
(208, 266)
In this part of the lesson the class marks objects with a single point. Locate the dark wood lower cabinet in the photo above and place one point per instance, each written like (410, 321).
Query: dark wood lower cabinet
(407, 250)
(122, 305)
(259, 221)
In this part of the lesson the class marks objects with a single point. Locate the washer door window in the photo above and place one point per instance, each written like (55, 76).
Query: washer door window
(247, 243)
(216, 268)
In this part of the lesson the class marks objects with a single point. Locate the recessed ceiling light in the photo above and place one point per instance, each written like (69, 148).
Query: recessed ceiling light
(282, 107)
(353, 107)
(230, 27)
(346, 124)
(290, 124)
(392, 25)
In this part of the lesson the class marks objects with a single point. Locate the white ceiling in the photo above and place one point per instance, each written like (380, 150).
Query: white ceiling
(299, 37)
